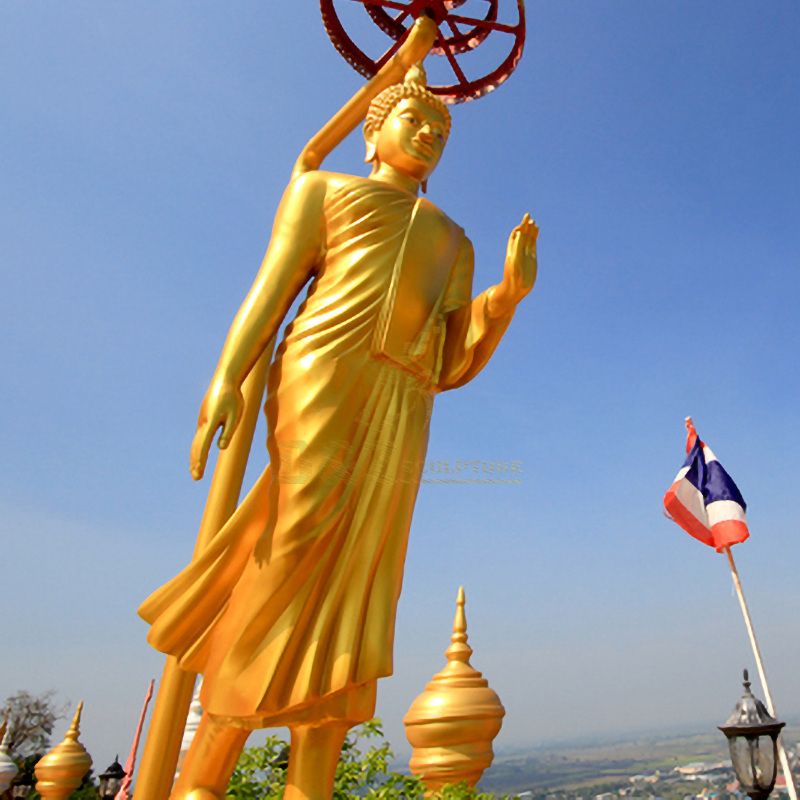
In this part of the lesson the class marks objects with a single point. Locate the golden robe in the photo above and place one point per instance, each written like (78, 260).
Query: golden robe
(293, 602)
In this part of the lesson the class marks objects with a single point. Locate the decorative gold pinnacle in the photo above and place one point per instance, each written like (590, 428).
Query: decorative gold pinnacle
(60, 772)
(459, 650)
(452, 724)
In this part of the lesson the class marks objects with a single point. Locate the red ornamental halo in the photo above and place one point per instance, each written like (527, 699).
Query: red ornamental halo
(458, 33)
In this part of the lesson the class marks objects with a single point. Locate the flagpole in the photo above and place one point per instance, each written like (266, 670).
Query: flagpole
(761, 673)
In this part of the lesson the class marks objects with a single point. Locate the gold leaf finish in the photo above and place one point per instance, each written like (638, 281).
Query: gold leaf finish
(288, 607)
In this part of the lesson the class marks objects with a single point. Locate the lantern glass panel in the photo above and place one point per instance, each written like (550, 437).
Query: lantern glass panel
(754, 761)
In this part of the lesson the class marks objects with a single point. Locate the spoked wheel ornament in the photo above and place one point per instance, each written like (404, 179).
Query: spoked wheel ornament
(462, 26)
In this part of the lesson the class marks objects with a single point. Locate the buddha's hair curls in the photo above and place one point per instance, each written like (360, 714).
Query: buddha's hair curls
(415, 86)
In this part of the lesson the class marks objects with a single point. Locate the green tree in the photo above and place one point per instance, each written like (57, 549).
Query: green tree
(259, 772)
(363, 771)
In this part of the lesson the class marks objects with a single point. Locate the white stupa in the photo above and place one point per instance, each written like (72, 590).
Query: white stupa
(192, 724)
(8, 769)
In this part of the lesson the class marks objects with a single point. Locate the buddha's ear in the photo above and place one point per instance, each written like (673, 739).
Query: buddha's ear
(370, 141)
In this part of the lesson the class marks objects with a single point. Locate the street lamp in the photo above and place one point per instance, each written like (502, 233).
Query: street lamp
(111, 779)
(753, 741)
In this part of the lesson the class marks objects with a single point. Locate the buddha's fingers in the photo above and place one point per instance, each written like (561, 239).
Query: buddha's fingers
(201, 444)
(531, 229)
(229, 424)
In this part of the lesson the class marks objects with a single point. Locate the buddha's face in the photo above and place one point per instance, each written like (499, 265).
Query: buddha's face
(412, 138)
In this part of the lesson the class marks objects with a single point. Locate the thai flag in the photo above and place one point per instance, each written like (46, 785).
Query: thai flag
(703, 498)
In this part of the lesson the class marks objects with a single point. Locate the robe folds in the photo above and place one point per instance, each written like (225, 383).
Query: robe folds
(293, 603)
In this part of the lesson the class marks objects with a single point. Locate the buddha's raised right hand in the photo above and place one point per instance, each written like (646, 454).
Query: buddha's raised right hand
(221, 408)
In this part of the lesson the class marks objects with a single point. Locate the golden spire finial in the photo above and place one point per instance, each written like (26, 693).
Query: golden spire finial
(60, 772)
(459, 650)
(74, 730)
(452, 724)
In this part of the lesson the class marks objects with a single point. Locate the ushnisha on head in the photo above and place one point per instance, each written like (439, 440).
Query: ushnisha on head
(406, 129)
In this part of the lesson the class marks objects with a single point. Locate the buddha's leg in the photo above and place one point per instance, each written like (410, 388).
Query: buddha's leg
(317, 738)
(210, 761)
(312, 763)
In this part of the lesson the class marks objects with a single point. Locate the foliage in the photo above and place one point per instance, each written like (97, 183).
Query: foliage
(363, 772)
(256, 775)
(88, 790)
(30, 721)
(25, 776)
(366, 772)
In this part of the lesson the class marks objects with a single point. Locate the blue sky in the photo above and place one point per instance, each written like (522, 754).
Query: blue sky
(143, 150)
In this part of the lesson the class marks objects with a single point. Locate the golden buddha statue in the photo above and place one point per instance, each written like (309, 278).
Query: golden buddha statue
(288, 612)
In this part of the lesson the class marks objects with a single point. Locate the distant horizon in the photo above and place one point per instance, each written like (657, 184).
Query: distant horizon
(617, 736)
(613, 737)
(632, 736)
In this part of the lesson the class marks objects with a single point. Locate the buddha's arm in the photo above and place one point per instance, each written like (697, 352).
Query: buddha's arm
(474, 329)
(472, 334)
(294, 249)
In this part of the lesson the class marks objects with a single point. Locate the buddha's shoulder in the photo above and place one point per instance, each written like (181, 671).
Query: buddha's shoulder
(326, 186)
(320, 179)
(432, 211)
(315, 188)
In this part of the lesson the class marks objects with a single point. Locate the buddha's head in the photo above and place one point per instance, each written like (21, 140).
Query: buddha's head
(407, 127)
